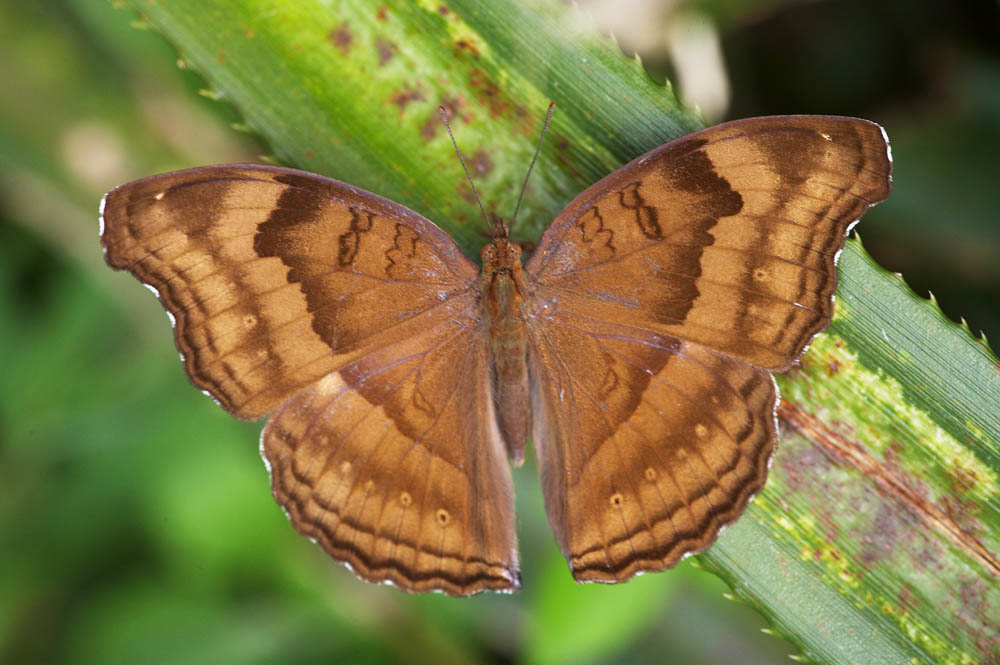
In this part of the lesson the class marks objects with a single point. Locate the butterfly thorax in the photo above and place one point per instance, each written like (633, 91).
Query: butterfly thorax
(503, 305)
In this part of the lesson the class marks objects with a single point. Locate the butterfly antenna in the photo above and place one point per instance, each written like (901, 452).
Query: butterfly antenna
(444, 119)
(545, 128)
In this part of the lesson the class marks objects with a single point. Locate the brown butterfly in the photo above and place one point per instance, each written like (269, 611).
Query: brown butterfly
(635, 346)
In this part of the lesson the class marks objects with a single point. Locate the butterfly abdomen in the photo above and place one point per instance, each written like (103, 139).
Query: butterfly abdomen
(503, 312)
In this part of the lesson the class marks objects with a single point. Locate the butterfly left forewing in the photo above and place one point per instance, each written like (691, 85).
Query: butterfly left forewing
(275, 277)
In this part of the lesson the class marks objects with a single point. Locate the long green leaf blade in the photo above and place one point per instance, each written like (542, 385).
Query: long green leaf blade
(876, 538)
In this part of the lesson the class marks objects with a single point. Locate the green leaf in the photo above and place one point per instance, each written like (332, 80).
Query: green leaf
(354, 94)
(876, 537)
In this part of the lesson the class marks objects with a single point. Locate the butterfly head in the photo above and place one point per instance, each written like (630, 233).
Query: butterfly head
(501, 255)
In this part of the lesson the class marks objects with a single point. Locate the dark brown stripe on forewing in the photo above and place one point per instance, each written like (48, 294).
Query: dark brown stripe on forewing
(203, 197)
(297, 206)
(665, 275)
(202, 202)
(293, 285)
(292, 322)
(620, 257)
(193, 203)
(326, 323)
(370, 351)
(747, 342)
(688, 169)
(696, 143)
(372, 205)
(691, 170)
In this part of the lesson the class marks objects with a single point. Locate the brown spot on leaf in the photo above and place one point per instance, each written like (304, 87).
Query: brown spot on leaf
(382, 13)
(481, 163)
(562, 145)
(453, 107)
(402, 98)
(465, 191)
(429, 129)
(907, 600)
(892, 452)
(220, 56)
(962, 479)
(488, 93)
(463, 46)
(342, 37)
(889, 528)
(443, 11)
(386, 50)
(526, 122)
(801, 465)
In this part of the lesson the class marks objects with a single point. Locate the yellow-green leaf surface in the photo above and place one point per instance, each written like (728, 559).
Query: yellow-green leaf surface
(876, 538)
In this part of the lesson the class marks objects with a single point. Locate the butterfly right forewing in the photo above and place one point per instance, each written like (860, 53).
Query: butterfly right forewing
(727, 237)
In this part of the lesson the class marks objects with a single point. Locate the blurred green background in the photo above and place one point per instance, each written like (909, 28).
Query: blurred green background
(136, 523)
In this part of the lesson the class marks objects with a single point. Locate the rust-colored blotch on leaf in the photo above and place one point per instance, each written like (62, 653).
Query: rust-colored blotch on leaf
(635, 346)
